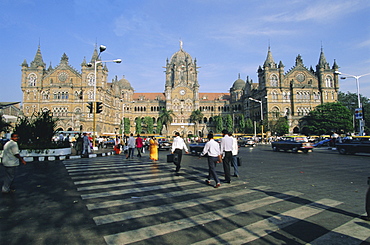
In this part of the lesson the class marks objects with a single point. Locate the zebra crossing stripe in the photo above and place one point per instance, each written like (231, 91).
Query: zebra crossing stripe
(93, 168)
(264, 227)
(104, 186)
(147, 181)
(115, 203)
(165, 228)
(354, 231)
(133, 214)
(136, 190)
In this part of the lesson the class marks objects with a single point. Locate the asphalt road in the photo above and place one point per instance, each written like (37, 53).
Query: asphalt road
(279, 198)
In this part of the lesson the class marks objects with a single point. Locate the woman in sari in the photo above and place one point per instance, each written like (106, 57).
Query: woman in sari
(153, 149)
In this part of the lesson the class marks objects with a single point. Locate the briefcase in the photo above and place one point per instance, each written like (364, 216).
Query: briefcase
(170, 157)
(239, 161)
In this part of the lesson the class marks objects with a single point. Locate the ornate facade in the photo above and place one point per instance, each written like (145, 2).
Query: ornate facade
(66, 92)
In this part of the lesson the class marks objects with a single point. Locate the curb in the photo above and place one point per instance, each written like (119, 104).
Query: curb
(67, 157)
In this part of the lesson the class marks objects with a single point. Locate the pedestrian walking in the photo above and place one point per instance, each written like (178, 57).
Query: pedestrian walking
(85, 145)
(139, 145)
(131, 146)
(153, 149)
(226, 150)
(10, 161)
(177, 146)
(235, 152)
(367, 202)
(212, 149)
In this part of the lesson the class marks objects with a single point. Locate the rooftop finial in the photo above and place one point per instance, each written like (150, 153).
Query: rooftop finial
(181, 44)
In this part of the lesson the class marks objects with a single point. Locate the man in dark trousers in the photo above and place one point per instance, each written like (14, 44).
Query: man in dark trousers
(212, 149)
(11, 159)
(226, 150)
(177, 146)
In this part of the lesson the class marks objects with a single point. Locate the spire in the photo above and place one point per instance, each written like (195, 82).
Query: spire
(64, 59)
(38, 61)
(298, 60)
(84, 62)
(322, 61)
(25, 63)
(335, 66)
(94, 56)
(269, 62)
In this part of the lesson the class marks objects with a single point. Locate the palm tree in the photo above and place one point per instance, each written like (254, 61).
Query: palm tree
(166, 117)
(195, 117)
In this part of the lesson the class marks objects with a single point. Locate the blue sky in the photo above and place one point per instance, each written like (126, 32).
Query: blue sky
(227, 37)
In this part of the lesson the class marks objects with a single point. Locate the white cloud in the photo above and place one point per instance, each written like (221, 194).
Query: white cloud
(320, 11)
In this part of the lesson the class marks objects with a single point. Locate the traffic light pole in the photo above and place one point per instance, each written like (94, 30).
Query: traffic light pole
(94, 124)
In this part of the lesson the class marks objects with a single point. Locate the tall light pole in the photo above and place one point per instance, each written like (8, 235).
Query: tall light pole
(259, 101)
(102, 48)
(361, 119)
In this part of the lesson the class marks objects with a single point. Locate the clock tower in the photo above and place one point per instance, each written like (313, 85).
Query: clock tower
(182, 87)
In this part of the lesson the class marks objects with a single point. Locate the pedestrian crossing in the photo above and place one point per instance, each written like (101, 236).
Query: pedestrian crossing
(138, 202)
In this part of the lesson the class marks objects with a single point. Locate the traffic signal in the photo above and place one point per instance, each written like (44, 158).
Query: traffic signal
(90, 106)
(99, 107)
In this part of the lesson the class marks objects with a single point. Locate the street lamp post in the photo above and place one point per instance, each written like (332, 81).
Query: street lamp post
(361, 120)
(102, 48)
(259, 101)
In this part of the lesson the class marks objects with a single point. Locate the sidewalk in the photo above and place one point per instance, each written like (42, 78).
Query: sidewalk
(73, 155)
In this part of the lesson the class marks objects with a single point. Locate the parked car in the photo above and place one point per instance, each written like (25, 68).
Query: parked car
(292, 143)
(359, 144)
(196, 148)
(164, 145)
(246, 141)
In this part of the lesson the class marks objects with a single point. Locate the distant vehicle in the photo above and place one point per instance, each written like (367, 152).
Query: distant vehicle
(164, 144)
(292, 143)
(359, 144)
(196, 148)
(246, 141)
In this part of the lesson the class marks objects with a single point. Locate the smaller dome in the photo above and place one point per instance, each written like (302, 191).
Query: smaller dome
(239, 84)
(123, 83)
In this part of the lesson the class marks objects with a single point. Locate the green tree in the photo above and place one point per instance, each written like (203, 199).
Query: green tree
(350, 100)
(138, 126)
(327, 118)
(219, 124)
(195, 117)
(166, 117)
(127, 126)
(4, 126)
(249, 129)
(280, 126)
(36, 131)
(242, 124)
(148, 122)
(159, 126)
(228, 123)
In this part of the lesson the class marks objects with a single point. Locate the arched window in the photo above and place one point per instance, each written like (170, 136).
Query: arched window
(329, 81)
(273, 81)
(275, 113)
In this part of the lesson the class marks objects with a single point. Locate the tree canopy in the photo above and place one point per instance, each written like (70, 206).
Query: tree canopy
(327, 118)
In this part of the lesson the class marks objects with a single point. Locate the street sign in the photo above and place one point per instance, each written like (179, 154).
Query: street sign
(358, 113)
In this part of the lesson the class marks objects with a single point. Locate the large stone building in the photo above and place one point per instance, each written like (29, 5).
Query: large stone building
(66, 92)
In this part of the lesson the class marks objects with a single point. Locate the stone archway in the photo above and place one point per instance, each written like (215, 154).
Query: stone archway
(296, 130)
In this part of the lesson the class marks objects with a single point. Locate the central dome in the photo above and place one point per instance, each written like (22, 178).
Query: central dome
(181, 56)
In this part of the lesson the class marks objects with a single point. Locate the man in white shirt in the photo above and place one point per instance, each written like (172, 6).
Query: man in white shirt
(226, 150)
(234, 159)
(212, 149)
(177, 146)
(131, 146)
(10, 161)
